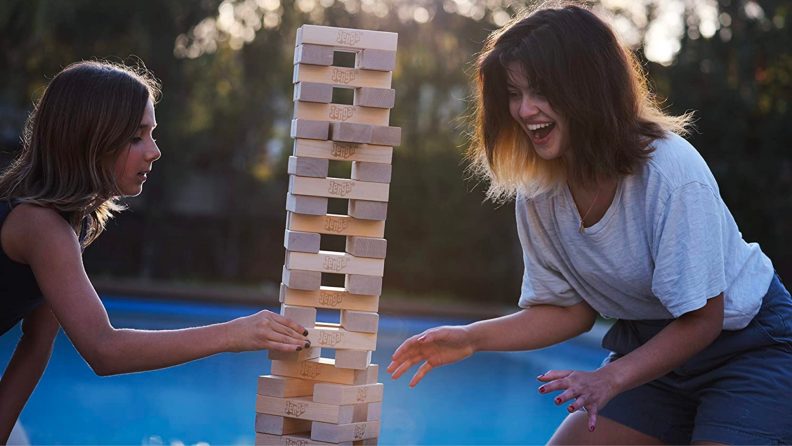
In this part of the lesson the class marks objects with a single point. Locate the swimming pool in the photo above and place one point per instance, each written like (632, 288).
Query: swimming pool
(490, 398)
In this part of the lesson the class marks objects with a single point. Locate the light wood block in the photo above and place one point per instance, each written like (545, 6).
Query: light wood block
(378, 60)
(368, 210)
(360, 321)
(324, 370)
(350, 132)
(367, 442)
(347, 38)
(374, 97)
(334, 224)
(371, 172)
(315, 55)
(338, 188)
(302, 315)
(303, 408)
(333, 336)
(328, 297)
(276, 425)
(367, 247)
(284, 386)
(344, 113)
(352, 359)
(303, 204)
(302, 355)
(374, 412)
(337, 433)
(313, 92)
(310, 129)
(340, 394)
(342, 77)
(309, 167)
(339, 151)
(368, 285)
(334, 262)
(386, 136)
(302, 439)
(302, 280)
(301, 241)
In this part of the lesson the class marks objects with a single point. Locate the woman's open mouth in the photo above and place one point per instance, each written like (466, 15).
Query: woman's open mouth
(540, 133)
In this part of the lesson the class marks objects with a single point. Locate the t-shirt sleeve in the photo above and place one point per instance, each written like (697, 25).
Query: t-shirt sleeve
(688, 249)
(541, 284)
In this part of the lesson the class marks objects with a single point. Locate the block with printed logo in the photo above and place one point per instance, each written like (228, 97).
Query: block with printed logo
(341, 151)
(284, 386)
(302, 355)
(338, 188)
(337, 433)
(324, 370)
(304, 408)
(333, 336)
(333, 224)
(334, 262)
(301, 439)
(347, 38)
(276, 425)
(352, 359)
(342, 77)
(328, 297)
(340, 394)
(360, 321)
(344, 113)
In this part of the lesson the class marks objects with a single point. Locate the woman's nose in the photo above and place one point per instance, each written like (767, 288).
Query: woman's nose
(527, 107)
(154, 152)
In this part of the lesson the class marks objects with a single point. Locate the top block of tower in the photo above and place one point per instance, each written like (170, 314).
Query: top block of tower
(347, 38)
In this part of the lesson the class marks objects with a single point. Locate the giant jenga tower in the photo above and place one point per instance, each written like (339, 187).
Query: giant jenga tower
(308, 399)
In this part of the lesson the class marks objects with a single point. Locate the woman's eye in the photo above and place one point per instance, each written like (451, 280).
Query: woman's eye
(137, 139)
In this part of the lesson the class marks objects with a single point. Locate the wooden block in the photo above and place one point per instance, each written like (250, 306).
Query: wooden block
(338, 188)
(350, 132)
(313, 92)
(341, 394)
(302, 280)
(303, 204)
(284, 386)
(328, 297)
(347, 38)
(374, 412)
(336, 225)
(378, 60)
(372, 172)
(352, 359)
(301, 439)
(302, 315)
(310, 129)
(333, 336)
(276, 425)
(368, 210)
(303, 408)
(367, 442)
(368, 285)
(316, 55)
(334, 262)
(374, 248)
(324, 370)
(386, 136)
(374, 97)
(337, 433)
(345, 113)
(301, 241)
(302, 355)
(342, 77)
(360, 321)
(310, 167)
(334, 150)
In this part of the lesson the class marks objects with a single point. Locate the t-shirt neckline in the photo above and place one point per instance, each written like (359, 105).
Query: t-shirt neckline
(612, 209)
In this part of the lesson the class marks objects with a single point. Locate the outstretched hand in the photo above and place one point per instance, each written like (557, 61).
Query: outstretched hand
(590, 390)
(437, 346)
(266, 330)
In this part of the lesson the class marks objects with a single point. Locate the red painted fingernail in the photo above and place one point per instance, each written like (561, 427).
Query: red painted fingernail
(570, 409)
(540, 376)
(542, 389)
(591, 428)
(558, 400)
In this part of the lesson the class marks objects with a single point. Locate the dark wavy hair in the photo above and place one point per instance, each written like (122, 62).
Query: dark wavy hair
(85, 119)
(588, 76)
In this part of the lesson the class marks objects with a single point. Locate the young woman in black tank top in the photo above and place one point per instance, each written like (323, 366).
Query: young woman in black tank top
(87, 143)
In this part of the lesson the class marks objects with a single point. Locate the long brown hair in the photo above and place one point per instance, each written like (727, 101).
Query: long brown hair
(85, 119)
(576, 60)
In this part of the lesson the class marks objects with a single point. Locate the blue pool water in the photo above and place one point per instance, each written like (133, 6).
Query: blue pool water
(490, 398)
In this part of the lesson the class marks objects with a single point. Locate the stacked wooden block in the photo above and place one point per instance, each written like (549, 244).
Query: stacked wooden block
(309, 399)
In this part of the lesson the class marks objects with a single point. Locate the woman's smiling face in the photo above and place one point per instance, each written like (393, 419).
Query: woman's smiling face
(547, 129)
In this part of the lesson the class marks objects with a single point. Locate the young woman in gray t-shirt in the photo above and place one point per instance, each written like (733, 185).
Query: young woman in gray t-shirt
(619, 216)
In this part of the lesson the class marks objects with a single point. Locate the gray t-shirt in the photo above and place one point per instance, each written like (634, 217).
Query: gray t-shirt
(666, 245)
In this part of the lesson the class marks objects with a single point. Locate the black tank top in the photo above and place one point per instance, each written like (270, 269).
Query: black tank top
(19, 292)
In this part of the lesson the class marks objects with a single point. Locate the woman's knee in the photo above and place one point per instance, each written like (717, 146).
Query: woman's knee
(574, 430)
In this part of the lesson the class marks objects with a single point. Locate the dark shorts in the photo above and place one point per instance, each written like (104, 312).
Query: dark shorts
(738, 390)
